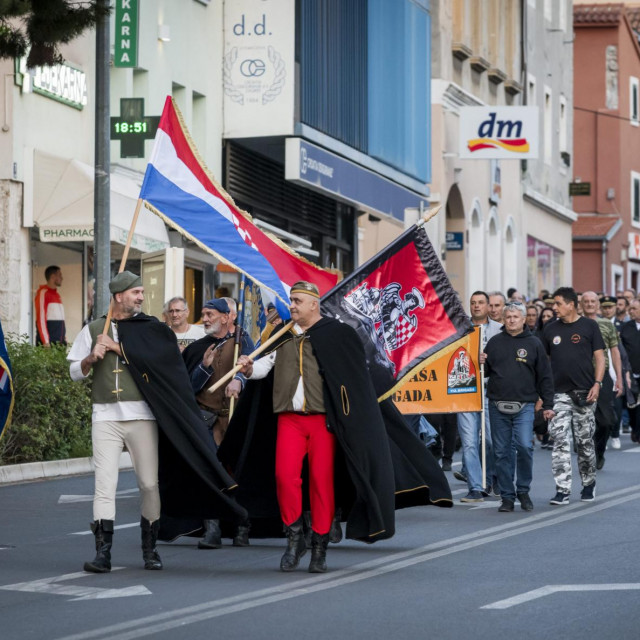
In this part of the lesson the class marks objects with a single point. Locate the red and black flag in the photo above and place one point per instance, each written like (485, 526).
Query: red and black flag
(402, 306)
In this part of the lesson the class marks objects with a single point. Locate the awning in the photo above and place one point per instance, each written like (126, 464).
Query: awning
(63, 205)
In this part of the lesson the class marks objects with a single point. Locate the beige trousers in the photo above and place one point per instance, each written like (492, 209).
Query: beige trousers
(141, 440)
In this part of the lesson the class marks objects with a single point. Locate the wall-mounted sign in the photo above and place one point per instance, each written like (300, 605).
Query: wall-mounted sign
(125, 52)
(579, 188)
(455, 240)
(132, 127)
(61, 82)
(504, 133)
(319, 169)
(258, 67)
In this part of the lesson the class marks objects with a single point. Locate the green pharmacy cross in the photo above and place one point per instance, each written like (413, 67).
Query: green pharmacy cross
(132, 127)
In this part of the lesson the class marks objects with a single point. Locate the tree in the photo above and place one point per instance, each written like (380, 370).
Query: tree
(40, 26)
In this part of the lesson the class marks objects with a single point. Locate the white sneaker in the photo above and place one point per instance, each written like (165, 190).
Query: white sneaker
(615, 443)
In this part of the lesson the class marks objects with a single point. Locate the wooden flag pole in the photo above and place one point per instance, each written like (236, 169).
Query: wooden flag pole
(258, 351)
(125, 255)
(483, 425)
(238, 336)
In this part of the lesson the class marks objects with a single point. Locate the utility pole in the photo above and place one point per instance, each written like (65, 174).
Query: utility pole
(101, 195)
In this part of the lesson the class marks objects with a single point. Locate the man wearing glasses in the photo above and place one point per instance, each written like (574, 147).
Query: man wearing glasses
(186, 333)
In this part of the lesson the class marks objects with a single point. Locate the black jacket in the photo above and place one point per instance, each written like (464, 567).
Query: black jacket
(630, 337)
(192, 481)
(380, 464)
(518, 369)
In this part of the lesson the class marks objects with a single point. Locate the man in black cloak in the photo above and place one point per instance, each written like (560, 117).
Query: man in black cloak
(317, 382)
(142, 399)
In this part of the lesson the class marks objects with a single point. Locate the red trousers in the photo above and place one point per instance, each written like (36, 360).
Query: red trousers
(300, 435)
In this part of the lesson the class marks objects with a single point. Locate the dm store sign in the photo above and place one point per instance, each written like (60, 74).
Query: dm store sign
(501, 133)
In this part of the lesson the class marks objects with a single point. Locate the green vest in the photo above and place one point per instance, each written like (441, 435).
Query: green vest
(112, 381)
(295, 358)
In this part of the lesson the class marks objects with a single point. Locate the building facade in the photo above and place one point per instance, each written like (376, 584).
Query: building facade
(506, 222)
(314, 115)
(606, 237)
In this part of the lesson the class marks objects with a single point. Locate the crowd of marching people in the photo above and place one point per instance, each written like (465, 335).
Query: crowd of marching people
(561, 370)
(309, 446)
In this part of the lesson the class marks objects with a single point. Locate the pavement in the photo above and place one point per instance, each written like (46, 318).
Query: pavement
(52, 469)
(567, 572)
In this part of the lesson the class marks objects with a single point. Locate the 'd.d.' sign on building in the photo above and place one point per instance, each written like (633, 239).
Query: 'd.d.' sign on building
(502, 133)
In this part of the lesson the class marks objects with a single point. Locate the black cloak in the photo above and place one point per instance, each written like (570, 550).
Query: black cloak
(193, 483)
(380, 464)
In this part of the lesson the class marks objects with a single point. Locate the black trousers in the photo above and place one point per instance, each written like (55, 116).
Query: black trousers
(446, 424)
(605, 414)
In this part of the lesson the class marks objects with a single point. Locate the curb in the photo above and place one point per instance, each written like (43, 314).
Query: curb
(29, 471)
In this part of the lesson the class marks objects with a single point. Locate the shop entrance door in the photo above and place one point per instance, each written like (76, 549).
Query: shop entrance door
(162, 278)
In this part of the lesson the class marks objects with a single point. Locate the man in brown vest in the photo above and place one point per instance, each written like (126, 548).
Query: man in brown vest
(298, 399)
(208, 360)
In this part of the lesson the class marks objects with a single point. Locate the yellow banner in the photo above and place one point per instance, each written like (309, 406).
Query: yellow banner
(450, 383)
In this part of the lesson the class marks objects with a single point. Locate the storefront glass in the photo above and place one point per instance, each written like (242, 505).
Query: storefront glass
(545, 266)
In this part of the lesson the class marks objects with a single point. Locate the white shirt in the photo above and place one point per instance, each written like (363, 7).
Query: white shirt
(262, 367)
(110, 411)
(193, 333)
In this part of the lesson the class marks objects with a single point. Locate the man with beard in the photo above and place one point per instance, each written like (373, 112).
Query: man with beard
(208, 360)
(139, 384)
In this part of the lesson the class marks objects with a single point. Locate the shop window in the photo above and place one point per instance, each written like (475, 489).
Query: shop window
(634, 115)
(635, 199)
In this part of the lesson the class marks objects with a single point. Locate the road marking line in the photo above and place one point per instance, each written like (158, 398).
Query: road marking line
(53, 586)
(161, 622)
(71, 498)
(120, 526)
(550, 589)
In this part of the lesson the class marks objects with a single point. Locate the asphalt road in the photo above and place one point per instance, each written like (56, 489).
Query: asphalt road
(468, 572)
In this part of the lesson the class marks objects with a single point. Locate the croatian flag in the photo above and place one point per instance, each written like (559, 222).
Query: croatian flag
(178, 187)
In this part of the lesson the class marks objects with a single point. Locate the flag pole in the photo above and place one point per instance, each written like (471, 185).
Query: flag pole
(125, 255)
(257, 352)
(482, 417)
(429, 214)
(238, 335)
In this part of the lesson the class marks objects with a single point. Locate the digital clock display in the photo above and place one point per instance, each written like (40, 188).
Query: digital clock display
(131, 127)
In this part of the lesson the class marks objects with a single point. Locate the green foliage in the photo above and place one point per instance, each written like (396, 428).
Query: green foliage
(40, 26)
(51, 413)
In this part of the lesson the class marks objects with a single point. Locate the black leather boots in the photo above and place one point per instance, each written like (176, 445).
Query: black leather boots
(296, 546)
(103, 532)
(212, 535)
(149, 536)
(319, 544)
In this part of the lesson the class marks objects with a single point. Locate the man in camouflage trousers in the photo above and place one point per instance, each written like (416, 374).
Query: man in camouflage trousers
(573, 343)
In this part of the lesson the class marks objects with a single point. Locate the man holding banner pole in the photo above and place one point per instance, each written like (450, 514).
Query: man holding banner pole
(474, 428)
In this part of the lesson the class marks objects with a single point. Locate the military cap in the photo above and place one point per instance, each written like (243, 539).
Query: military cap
(219, 304)
(305, 287)
(607, 301)
(123, 281)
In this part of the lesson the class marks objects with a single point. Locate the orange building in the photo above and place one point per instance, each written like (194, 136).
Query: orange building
(606, 236)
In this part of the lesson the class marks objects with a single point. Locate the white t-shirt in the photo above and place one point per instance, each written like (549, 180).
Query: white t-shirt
(193, 333)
